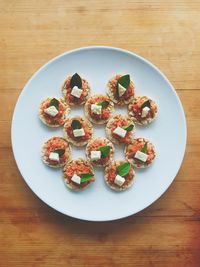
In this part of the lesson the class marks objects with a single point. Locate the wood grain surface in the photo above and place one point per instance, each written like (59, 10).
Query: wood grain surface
(167, 234)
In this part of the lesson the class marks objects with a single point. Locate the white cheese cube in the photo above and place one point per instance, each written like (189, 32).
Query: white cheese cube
(76, 92)
(51, 111)
(76, 179)
(95, 155)
(96, 109)
(54, 156)
(145, 111)
(120, 132)
(141, 156)
(121, 89)
(119, 180)
(79, 132)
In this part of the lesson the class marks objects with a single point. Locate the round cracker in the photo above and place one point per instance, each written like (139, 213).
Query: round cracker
(109, 143)
(61, 164)
(120, 102)
(142, 165)
(64, 92)
(87, 114)
(68, 183)
(72, 141)
(108, 128)
(42, 118)
(114, 186)
(145, 121)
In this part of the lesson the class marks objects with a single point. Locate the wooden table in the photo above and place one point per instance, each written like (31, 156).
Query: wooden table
(166, 234)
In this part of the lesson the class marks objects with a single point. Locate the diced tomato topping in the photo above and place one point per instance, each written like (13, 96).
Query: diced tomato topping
(72, 99)
(102, 161)
(94, 146)
(105, 112)
(112, 174)
(121, 123)
(79, 168)
(138, 144)
(53, 120)
(87, 130)
(129, 91)
(54, 144)
(136, 108)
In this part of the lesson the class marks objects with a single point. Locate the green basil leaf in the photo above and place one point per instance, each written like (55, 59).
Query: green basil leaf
(124, 81)
(105, 150)
(146, 104)
(86, 177)
(104, 104)
(144, 149)
(60, 152)
(54, 102)
(76, 81)
(123, 169)
(129, 127)
(76, 125)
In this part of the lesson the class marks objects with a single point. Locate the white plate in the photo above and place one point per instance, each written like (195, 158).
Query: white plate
(98, 202)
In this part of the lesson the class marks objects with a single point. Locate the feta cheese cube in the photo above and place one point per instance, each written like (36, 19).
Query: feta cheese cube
(54, 156)
(120, 132)
(145, 111)
(76, 179)
(119, 180)
(121, 89)
(79, 132)
(96, 109)
(95, 155)
(141, 156)
(51, 111)
(76, 92)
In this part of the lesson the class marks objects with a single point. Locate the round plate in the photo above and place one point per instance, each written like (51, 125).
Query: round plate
(98, 202)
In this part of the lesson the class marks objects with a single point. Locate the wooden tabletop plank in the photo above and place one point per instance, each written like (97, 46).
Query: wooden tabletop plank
(171, 28)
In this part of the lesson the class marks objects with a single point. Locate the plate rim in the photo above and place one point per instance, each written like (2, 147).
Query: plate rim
(130, 53)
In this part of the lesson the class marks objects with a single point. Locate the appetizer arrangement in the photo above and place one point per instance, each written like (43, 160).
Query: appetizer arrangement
(78, 131)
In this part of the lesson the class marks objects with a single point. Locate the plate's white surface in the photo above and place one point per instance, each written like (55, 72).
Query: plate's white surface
(98, 202)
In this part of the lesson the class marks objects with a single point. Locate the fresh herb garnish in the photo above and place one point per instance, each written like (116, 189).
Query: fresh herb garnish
(146, 104)
(76, 125)
(54, 102)
(86, 177)
(60, 152)
(124, 81)
(144, 149)
(123, 169)
(129, 127)
(104, 104)
(105, 150)
(76, 81)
